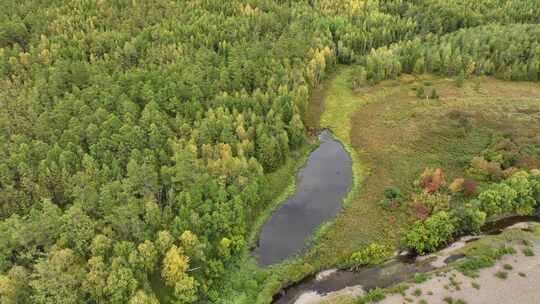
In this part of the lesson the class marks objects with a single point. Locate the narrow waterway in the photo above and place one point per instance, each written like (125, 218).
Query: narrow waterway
(322, 184)
(313, 288)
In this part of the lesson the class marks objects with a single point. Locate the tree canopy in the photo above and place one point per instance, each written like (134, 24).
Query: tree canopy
(136, 136)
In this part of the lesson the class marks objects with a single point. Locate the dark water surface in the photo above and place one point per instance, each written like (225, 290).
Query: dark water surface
(322, 184)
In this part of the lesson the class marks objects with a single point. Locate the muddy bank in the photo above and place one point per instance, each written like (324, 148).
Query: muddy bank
(322, 184)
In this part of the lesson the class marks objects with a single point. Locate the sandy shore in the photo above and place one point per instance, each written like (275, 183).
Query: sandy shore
(492, 289)
(521, 284)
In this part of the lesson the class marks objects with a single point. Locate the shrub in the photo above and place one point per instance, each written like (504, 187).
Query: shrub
(457, 185)
(427, 236)
(497, 199)
(420, 278)
(469, 187)
(375, 295)
(420, 92)
(488, 169)
(431, 180)
(420, 211)
(527, 251)
(501, 274)
(528, 162)
(392, 198)
(434, 202)
(433, 94)
(392, 193)
(518, 194)
(371, 255)
(469, 218)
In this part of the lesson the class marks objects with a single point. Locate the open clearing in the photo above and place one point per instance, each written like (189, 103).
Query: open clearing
(394, 135)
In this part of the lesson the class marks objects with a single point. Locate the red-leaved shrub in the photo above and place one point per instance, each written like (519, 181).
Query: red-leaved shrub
(469, 187)
(420, 210)
(431, 180)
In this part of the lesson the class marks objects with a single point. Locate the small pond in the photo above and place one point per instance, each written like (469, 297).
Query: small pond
(321, 186)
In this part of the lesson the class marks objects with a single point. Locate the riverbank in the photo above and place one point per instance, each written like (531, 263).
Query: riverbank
(514, 278)
(509, 273)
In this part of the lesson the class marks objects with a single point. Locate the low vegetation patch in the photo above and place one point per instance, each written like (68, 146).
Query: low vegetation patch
(527, 251)
(501, 274)
(371, 255)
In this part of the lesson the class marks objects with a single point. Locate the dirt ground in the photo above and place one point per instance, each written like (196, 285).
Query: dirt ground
(491, 289)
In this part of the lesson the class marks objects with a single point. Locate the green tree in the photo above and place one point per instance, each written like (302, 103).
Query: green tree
(142, 297)
(77, 229)
(101, 245)
(95, 283)
(175, 266)
(14, 287)
(296, 131)
(469, 218)
(57, 278)
(148, 255)
(164, 241)
(427, 236)
(121, 284)
(497, 199)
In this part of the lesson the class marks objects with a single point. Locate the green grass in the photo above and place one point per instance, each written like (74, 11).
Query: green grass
(485, 252)
(339, 105)
(475, 285)
(420, 278)
(374, 295)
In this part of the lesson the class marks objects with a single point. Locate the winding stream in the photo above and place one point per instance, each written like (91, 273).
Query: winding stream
(322, 185)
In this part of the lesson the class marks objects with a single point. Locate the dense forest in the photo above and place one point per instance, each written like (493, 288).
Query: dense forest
(136, 136)
(507, 52)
